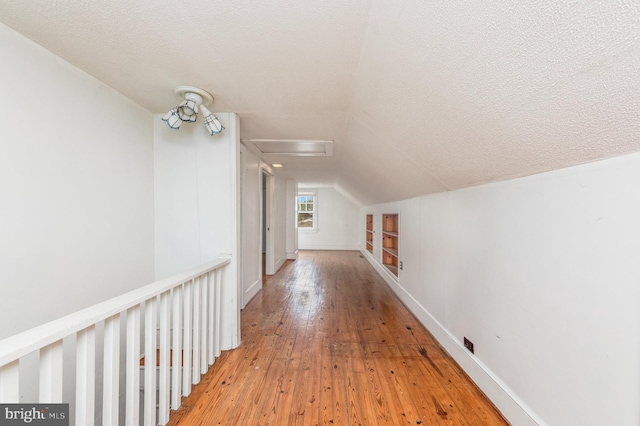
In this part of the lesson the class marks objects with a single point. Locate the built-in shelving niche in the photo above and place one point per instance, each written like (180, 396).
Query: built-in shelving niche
(390, 242)
(370, 233)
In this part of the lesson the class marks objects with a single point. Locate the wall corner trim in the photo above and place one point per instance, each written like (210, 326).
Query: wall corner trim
(251, 292)
(279, 264)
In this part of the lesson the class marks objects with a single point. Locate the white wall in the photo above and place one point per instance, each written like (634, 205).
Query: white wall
(197, 206)
(541, 274)
(251, 253)
(338, 223)
(76, 188)
(280, 222)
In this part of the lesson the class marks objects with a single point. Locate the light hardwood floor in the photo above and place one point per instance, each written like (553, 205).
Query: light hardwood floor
(326, 342)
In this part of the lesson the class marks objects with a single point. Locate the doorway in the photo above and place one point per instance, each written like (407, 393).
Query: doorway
(266, 224)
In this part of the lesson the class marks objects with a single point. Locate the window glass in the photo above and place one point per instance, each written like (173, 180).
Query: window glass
(306, 211)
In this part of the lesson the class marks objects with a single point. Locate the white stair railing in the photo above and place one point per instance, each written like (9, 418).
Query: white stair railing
(182, 325)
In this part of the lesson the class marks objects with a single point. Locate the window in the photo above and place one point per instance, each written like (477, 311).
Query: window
(307, 205)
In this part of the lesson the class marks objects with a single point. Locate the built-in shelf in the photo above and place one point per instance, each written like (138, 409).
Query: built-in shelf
(390, 242)
(370, 233)
(391, 251)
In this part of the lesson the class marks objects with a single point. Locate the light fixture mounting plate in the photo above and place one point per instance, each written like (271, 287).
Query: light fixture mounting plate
(206, 96)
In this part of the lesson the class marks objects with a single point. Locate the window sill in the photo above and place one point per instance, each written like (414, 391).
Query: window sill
(308, 230)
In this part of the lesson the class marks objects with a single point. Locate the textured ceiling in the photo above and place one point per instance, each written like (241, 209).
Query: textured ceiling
(417, 96)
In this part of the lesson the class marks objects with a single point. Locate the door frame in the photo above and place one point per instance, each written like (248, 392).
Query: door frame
(267, 213)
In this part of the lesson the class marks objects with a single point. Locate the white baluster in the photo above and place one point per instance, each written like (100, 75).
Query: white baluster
(164, 385)
(132, 413)
(51, 373)
(204, 311)
(111, 370)
(10, 383)
(212, 312)
(150, 308)
(217, 312)
(176, 376)
(85, 376)
(195, 369)
(186, 339)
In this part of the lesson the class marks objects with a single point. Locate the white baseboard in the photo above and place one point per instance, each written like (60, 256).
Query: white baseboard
(292, 255)
(251, 292)
(279, 264)
(509, 404)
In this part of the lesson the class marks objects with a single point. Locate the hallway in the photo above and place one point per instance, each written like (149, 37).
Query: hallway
(327, 342)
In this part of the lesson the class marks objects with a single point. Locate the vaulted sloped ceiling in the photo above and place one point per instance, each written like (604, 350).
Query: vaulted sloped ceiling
(418, 96)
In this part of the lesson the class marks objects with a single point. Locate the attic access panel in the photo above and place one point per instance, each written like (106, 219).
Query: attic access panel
(299, 148)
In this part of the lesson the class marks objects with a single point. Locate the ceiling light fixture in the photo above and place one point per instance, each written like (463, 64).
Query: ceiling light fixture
(277, 165)
(187, 112)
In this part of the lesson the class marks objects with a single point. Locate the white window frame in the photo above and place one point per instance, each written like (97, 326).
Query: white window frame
(308, 193)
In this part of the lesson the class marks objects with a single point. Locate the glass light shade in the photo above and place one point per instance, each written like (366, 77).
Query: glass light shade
(188, 110)
(172, 119)
(213, 125)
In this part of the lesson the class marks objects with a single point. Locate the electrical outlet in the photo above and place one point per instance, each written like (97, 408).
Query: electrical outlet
(468, 344)
(401, 265)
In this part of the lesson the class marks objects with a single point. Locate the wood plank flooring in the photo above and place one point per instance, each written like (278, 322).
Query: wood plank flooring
(326, 342)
